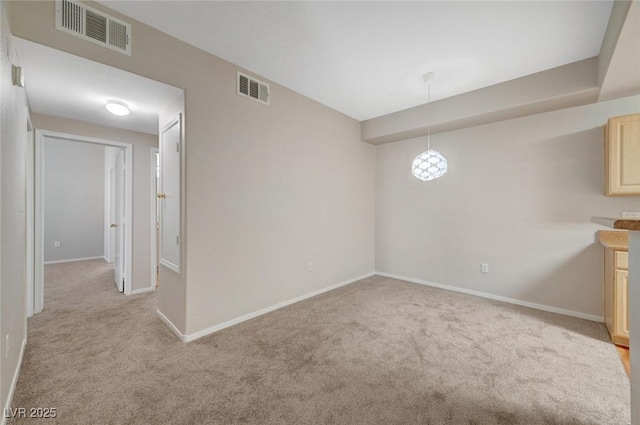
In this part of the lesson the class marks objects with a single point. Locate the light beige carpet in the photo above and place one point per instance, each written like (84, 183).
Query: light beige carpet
(379, 351)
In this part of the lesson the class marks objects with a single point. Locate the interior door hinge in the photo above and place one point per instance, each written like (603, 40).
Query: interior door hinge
(178, 240)
(177, 146)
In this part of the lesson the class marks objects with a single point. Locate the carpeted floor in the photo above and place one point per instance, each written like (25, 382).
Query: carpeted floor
(379, 351)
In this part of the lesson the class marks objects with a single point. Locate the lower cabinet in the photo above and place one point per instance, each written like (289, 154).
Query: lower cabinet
(616, 295)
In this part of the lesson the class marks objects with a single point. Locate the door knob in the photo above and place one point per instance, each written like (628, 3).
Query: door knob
(162, 195)
(114, 225)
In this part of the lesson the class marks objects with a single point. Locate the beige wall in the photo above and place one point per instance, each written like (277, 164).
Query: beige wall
(13, 316)
(283, 185)
(142, 189)
(519, 195)
(268, 188)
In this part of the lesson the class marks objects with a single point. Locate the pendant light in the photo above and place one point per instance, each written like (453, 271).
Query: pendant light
(430, 164)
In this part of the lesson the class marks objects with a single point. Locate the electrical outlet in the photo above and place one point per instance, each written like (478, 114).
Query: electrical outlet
(6, 346)
(631, 214)
(484, 268)
(56, 244)
(310, 266)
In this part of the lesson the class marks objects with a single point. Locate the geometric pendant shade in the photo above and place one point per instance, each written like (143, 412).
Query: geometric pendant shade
(429, 165)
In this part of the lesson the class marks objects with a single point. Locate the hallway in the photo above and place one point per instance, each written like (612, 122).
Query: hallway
(78, 357)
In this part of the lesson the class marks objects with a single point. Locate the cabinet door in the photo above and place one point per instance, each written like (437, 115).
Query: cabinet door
(621, 285)
(622, 155)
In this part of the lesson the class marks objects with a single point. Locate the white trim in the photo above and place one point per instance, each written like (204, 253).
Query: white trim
(107, 204)
(497, 297)
(38, 225)
(173, 327)
(142, 290)
(73, 260)
(216, 328)
(16, 375)
(174, 268)
(105, 217)
(154, 215)
(29, 212)
(39, 206)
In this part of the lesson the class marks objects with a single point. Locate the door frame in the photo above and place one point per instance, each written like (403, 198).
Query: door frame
(154, 215)
(30, 217)
(120, 222)
(39, 207)
(109, 194)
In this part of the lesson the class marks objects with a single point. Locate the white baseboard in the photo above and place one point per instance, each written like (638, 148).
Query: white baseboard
(12, 389)
(216, 328)
(173, 327)
(497, 297)
(143, 290)
(72, 260)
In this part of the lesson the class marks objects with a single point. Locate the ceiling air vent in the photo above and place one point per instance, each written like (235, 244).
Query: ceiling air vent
(86, 22)
(250, 87)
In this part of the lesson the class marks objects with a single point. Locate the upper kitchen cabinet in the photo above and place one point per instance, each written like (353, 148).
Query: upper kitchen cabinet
(622, 156)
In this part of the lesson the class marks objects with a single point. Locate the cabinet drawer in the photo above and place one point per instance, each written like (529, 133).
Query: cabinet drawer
(621, 260)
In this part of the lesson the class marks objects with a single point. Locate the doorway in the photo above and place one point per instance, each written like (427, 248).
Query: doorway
(123, 201)
(62, 86)
(114, 211)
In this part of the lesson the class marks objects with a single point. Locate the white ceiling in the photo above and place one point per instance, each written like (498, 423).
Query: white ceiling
(68, 86)
(367, 59)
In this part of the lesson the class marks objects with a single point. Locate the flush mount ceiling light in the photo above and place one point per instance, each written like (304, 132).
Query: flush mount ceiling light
(430, 164)
(117, 108)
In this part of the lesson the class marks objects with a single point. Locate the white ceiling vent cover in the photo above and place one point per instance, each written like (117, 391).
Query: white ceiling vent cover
(250, 87)
(90, 24)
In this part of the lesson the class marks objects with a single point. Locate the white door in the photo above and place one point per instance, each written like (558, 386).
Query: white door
(120, 222)
(169, 194)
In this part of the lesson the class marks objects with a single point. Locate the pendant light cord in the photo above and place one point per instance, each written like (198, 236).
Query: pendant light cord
(428, 123)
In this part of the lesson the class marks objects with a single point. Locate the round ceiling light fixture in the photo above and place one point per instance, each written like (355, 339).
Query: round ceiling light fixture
(119, 109)
(430, 164)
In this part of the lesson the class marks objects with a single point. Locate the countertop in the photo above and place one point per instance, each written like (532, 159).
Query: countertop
(618, 223)
(614, 239)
